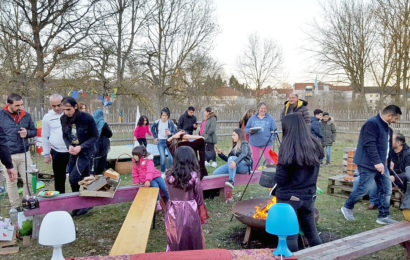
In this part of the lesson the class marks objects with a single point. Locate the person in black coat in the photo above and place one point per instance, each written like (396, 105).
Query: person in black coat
(103, 143)
(187, 121)
(315, 124)
(399, 160)
(296, 175)
(80, 135)
(5, 156)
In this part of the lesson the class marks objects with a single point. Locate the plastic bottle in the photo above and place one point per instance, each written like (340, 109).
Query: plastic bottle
(319, 190)
(34, 178)
(13, 216)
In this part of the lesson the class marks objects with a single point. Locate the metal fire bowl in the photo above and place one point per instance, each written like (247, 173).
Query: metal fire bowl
(243, 211)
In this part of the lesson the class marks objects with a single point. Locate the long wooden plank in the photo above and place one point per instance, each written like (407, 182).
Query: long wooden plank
(359, 244)
(134, 233)
(218, 181)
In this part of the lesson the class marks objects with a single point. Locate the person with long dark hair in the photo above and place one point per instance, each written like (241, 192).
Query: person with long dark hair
(296, 175)
(239, 159)
(244, 120)
(102, 145)
(185, 210)
(142, 130)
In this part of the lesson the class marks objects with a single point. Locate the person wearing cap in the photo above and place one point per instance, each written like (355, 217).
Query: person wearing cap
(161, 130)
(329, 134)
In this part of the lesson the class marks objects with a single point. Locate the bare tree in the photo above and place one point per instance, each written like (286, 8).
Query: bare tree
(260, 63)
(53, 29)
(344, 42)
(175, 29)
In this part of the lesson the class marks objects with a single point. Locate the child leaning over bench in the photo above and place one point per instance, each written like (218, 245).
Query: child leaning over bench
(186, 208)
(144, 171)
(239, 158)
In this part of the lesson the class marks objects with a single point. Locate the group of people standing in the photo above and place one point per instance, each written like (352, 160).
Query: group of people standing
(75, 142)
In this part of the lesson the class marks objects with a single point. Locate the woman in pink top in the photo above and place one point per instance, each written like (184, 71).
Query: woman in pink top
(144, 171)
(142, 130)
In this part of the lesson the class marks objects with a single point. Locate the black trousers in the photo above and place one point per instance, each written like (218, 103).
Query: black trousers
(142, 141)
(78, 168)
(59, 164)
(100, 163)
(210, 154)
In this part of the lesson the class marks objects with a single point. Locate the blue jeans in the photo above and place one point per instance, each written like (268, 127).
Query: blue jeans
(384, 188)
(162, 147)
(160, 183)
(241, 167)
(373, 197)
(327, 149)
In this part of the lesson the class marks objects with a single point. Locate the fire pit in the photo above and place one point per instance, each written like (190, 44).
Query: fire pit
(245, 210)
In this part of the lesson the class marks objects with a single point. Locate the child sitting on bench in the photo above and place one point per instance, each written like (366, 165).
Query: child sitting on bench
(186, 208)
(144, 171)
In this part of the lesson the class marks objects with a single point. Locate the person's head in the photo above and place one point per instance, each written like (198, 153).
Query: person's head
(98, 113)
(190, 110)
(69, 106)
(55, 103)
(237, 138)
(293, 98)
(391, 114)
(15, 103)
(138, 152)
(318, 113)
(207, 111)
(262, 109)
(143, 120)
(298, 145)
(165, 113)
(398, 141)
(82, 107)
(325, 117)
(184, 163)
(248, 114)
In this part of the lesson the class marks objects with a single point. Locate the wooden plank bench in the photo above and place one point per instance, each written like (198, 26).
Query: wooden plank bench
(361, 244)
(134, 232)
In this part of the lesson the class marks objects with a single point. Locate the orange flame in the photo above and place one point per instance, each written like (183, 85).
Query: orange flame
(263, 213)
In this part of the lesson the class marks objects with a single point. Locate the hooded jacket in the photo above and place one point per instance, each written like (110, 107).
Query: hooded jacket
(144, 170)
(328, 132)
(301, 107)
(209, 132)
(315, 127)
(11, 129)
(264, 135)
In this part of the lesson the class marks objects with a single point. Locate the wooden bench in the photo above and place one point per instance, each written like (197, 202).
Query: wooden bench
(134, 232)
(361, 244)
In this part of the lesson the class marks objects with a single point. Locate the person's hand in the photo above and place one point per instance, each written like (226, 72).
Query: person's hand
(71, 149)
(167, 132)
(379, 167)
(218, 151)
(12, 174)
(155, 140)
(23, 132)
(147, 184)
(392, 178)
(391, 165)
(195, 125)
(47, 159)
(232, 165)
(135, 139)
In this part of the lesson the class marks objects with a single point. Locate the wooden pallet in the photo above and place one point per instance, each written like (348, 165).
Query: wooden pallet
(9, 247)
(339, 187)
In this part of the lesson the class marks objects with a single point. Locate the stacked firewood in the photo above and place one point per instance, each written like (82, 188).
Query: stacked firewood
(107, 182)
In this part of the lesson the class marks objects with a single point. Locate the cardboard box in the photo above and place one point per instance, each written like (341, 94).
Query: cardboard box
(104, 194)
(6, 234)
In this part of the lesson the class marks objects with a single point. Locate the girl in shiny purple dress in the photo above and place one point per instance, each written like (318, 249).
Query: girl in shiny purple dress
(185, 210)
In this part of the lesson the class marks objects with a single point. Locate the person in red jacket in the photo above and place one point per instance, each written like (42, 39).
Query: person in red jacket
(142, 130)
(144, 171)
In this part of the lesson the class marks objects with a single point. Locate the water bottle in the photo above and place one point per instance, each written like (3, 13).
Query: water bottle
(34, 177)
(13, 216)
(319, 190)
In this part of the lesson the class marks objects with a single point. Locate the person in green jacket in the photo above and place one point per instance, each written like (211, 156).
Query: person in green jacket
(209, 134)
(329, 134)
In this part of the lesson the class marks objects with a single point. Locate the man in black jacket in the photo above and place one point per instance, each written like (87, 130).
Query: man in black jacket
(80, 135)
(5, 156)
(399, 159)
(187, 121)
(18, 127)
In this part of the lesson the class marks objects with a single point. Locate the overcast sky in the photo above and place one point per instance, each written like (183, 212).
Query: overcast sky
(283, 21)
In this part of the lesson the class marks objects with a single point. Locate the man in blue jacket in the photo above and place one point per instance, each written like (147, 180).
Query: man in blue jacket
(315, 123)
(18, 127)
(373, 147)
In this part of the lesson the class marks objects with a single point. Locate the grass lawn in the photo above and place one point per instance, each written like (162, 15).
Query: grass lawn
(98, 229)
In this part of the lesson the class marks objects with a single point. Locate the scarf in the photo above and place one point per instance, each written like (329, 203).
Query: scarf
(99, 120)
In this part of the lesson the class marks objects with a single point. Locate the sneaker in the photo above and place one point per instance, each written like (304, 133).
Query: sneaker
(74, 212)
(347, 213)
(386, 220)
(158, 207)
(229, 183)
(207, 163)
(83, 211)
(214, 164)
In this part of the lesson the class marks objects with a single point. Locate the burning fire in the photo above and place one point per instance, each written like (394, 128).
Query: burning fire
(263, 213)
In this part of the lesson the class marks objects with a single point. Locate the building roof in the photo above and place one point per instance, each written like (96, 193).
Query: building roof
(227, 92)
(302, 86)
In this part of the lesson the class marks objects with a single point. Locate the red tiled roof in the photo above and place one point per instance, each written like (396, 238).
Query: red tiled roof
(286, 91)
(264, 91)
(227, 92)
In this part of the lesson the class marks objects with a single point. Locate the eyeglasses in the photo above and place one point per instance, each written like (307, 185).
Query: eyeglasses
(59, 105)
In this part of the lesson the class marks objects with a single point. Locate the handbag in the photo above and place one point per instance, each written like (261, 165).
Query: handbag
(123, 167)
